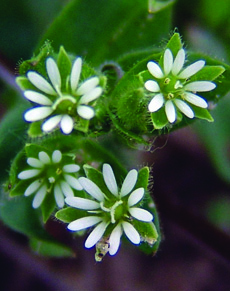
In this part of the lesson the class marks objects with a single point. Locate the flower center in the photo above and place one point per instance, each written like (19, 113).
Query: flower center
(171, 87)
(65, 105)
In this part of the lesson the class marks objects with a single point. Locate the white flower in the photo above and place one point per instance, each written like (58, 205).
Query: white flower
(118, 209)
(172, 88)
(49, 174)
(59, 101)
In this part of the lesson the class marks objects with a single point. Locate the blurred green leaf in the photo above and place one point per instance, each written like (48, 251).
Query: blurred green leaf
(103, 30)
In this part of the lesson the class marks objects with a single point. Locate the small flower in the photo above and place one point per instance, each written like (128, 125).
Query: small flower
(50, 174)
(172, 88)
(115, 211)
(60, 101)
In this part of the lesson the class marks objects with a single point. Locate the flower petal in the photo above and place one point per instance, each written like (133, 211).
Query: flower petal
(155, 70)
(66, 124)
(58, 195)
(71, 168)
(38, 113)
(44, 158)
(170, 111)
(96, 234)
(35, 163)
(41, 83)
(56, 156)
(156, 103)
(75, 73)
(191, 70)
(73, 182)
(152, 86)
(39, 196)
(85, 111)
(88, 85)
(131, 233)
(184, 108)
(109, 179)
(200, 86)
(90, 96)
(51, 123)
(129, 182)
(141, 214)
(66, 189)
(114, 240)
(195, 100)
(82, 203)
(37, 98)
(53, 73)
(168, 61)
(24, 175)
(91, 188)
(33, 187)
(136, 196)
(178, 62)
(83, 223)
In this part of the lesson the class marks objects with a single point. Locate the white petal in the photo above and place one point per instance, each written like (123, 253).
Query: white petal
(84, 222)
(131, 233)
(184, 108)
(170, 111)
(136, 196)
(41, 83)
(96, 235)
(73, 182)
(44, 158)
(33, 187)
(82, 203)
(156, 103)
(39, 196)
(38, 113)
(141, 214)
(129, 182)
(35, 163)
(88, 85)
(91, 188)
(53, 72)
(152, 86)
(71, 168)
(155, 70)
(196, 100)
(114, 240)
(56, 156)
(66, 189)
(90, 96)
(191, 70)
(109, 179)
(85, 111)
(200, 86)
(24, 175)
(58, 195)
(178, 62)
(37, 98)
(66, 124)
(51, 123)
(168, 61)
(75, 73)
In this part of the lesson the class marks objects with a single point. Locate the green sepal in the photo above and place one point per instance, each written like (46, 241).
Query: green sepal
(209, 73)
(159, 118)
(64, 65)
(20, 188)
(143, 178)
(35, 129)
(50, 248)
(48, 205)
(202, 113)
(70, 214)
(148, 232)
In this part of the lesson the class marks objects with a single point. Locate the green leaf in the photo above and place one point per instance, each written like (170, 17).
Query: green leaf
(50, 249)
(156, 5)
(126, 25)
(18, 214)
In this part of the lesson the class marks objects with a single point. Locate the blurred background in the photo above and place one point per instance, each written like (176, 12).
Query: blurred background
(190, 167)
